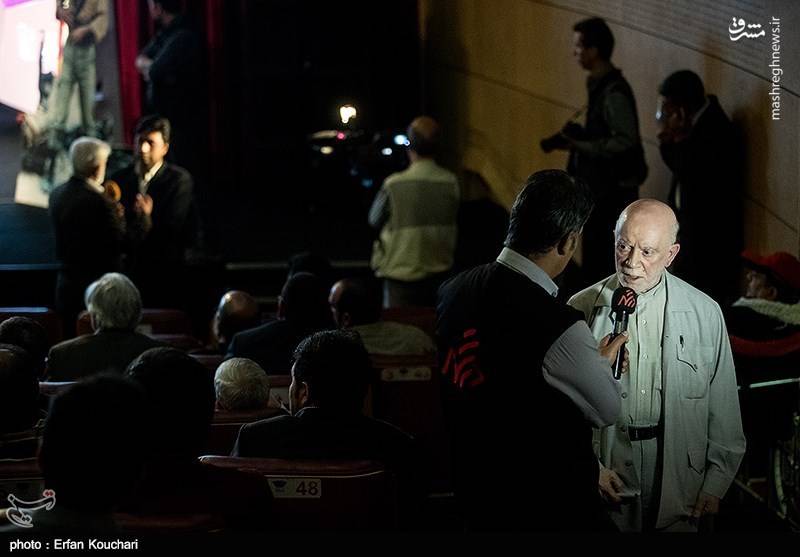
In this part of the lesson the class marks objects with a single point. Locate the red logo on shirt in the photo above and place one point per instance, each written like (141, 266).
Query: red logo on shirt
(462, 361)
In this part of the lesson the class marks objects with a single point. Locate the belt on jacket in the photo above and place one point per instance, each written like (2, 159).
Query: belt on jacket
(636, 433)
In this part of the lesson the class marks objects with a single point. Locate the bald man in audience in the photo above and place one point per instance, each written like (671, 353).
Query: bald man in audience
(357, 306)
(678, 442)
(237, 311)
(415, 215)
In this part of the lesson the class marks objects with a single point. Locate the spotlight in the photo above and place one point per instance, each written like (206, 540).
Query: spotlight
(347, 112)
(401, 140)
(326, 149)
(386, 151)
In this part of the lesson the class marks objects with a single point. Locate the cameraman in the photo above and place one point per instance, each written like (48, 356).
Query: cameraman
(607, 151)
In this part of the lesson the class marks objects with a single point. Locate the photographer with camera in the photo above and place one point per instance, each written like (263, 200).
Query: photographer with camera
(607, 151)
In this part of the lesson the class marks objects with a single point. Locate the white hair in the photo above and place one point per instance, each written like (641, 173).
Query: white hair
(86, 154)
(113, 302)
(241, 384)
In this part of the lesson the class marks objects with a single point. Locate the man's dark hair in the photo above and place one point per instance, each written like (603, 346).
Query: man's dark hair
(596, 33)
(180, 400)
(305, 301)
(684, 88)
(154, 123)
(551, 205)
(92, 443)
(170, 6)
(424, 136)
(360, 300)
(19, 389)
(337, 369)
(30, 335)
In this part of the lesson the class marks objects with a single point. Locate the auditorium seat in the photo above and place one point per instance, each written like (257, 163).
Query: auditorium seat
(49, 319)
(52, 388)
(314, 495)
(22, 478)
(210, 361)
(181, 341)
(421, 317)
(406, 393)
(154, 321)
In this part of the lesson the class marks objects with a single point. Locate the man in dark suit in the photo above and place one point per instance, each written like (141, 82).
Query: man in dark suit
(115, 307)
(698, 144)
(88, 225)
(159, 209)
(330, 377)
(302, 309)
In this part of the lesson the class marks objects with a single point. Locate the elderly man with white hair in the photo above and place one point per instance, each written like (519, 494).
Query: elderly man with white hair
(241, 386)
(677, 444)
(115, 308)
(89, 227)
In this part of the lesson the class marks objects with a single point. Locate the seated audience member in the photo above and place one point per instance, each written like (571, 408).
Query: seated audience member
(330, 378)
(179, 402)
(237, 311)
(355, 305)
(115, 308)
(302, 310)
(30, 335)
(20, 417)
(769, 309)
(241, 386)
(91, 454)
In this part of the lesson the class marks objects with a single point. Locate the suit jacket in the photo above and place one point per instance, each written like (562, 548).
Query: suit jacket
(703, 443)
(89, 239)
(106, 350)
(161, 239)
(707, 168)
(270, 345)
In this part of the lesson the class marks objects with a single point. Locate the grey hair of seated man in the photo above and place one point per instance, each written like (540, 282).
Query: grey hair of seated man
(114, 302)
(241, 384)
(87, 154)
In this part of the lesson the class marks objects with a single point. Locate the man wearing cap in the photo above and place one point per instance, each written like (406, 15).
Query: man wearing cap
(677, 444)
(769, 308)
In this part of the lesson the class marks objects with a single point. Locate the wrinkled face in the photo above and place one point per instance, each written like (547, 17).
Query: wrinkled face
(758, 286)
(151, 149)
(643, 250)
(584, 56)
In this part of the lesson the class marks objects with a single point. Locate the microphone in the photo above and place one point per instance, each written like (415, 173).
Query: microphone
(623, 303)
(112, 190)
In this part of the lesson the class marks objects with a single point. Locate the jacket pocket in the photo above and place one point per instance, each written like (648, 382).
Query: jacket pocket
(694, 369)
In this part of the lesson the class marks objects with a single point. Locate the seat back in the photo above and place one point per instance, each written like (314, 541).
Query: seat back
(419, 316)
(322, 494)
(158, 321)
(49, 319)
(406, 393)
(52, 388)
(23, 478)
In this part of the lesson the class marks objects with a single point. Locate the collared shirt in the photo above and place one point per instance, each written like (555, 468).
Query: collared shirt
(144, 181)
(95, 185)
(643, 380)
(573, 364)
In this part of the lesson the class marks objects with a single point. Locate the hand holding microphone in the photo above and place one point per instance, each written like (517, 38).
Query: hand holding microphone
(623, 304)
